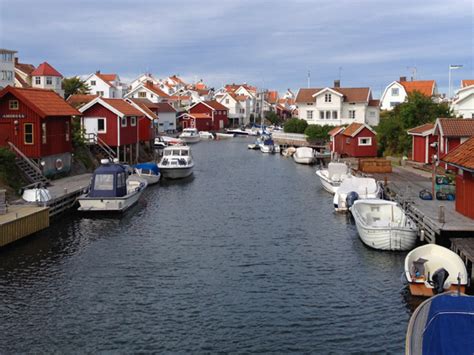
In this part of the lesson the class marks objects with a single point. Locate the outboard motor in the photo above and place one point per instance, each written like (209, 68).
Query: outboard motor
(351, 198)
(438, 279)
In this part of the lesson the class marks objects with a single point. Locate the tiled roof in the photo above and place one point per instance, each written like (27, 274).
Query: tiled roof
(215, 105)
(177, 79)
(44, 102)
(156, 90)
(44, 69)
(108, 78)
(22, 82)
(425, 87)
(165, 107)
(148, 103)
(146, 110)
(123, 106)
(25, 68)
(374, 103)
(78, 100)
(352, 129)
(457, 127)
(350, 94)
(335, 130)
(233, 87)
(465, 83)
(462, 156)
(421, 129)
(272, 97)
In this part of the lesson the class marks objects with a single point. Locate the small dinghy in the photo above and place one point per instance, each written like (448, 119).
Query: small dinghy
(288, 152)
(333, 176)
(353, 189)
(443, 324)
(148, 171)
(383, 225)
(432, 269)
(190, 135)
(111, 190)
(224, 135)
(304, 155)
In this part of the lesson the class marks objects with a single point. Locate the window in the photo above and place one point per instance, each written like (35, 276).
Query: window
(124, 121)
(142, 94)
(121, 180)
(49, 80)
(92, 82)
(226, 101)
(327, 98)
(68, 129)
(133, 121)
(28, 133)
(101, 125)
(104, 182)
(309, 114)
(58, 81)
(13, 104)
(352, 114)
(334, 115)
(309, 103)
(170, 124)
(365, 140)
(372, 113)
(100, 93)
(321, 115)
(6, 75)
(37, 80)
(43, 133)
(328, 115)
(393, 104)
(395, 92)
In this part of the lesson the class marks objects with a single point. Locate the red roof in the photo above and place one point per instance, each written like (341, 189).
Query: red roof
(108, 78)
(465, 83)
(335, 131)
(215, 105)
(44, 69)
(350, 94)
(146, 102)
(462, 156)
(123, 106)
(352, 129)
(143, 107)
(165, 107)
(197, 115)
(78, 100)
(456, 127)
(425, 87)
(156, 90)
(272, 97)
(25, 68)
(419, 130)
(374, 103)
(43, 102)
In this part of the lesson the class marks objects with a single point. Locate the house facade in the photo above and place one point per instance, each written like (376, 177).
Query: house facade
(337, 106)
(210, 111)
(423, 140)
(147, 90)
(238, 108)
(463, 104)
(38, 123)
(397, 91)
(108, 86)
(7, 68)
(356, 140)
(23, 74)
(146, 122)
(46, 77)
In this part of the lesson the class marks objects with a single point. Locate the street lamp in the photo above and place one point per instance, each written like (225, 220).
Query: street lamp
(451, 67)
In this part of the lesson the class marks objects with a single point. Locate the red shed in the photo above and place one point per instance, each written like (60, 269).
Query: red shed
(146, 131)
(452, 132)
(356, 140)
(201, 121)
(38, 123)
(462, 158)
(332, 137)
(422, 149)
(209, 109)
(115, 122)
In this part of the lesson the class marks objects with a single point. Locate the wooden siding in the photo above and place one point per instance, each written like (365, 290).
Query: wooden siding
(465, 194)
(21, 221)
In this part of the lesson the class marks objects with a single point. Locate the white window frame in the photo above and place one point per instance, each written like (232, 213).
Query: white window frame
(334, 115)
(105, 125)
(142, 94)
(49, 80)
(309, 114)
(133, 121)
(368, 143)
(352, 114)
(93, 83)
(13, 105)
(123, 121)
(327, 97)
(37, 80)
(395, 92)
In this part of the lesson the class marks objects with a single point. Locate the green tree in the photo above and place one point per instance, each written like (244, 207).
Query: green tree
(317, 132)
(294, 125)
(78, 133)
(75, 85)
(273, 118)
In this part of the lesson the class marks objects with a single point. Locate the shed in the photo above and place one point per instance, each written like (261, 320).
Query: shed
(356, 140)
(423, 137)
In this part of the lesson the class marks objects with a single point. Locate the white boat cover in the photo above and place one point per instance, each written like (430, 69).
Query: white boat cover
(363, 186)
(304, 152)
(336, 170)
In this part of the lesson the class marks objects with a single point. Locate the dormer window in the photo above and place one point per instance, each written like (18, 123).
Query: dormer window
(395, 92)
(37, 80)
(93, 82)
(49, 80)
(327, 98)
(13, 105)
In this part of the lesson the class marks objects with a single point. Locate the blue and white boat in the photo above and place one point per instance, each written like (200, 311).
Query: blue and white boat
(148, 171)
(111, 189)
(443, 324)
(267, 145)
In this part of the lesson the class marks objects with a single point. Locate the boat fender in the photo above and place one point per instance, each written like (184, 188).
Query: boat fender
(438, 279)
(59, 164)
(351, 198)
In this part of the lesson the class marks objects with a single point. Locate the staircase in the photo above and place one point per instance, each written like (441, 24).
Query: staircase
(28, 167)
(94, 139)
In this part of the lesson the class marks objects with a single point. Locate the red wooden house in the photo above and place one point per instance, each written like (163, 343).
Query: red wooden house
(146, 132)
(452, 132)
(38, 123)
(115, 123)
(332, 137)
(356, 140)
(206, 116)
(422, 149)
(462, 158)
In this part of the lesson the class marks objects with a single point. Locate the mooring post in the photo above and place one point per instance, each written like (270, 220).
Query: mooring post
(441, 214)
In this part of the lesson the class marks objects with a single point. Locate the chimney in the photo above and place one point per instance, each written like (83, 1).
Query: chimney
(97, 71)
(16, 60)
(337, 83)
(403, 78)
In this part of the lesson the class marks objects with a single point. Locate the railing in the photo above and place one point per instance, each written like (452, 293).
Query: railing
(31, 163)
(93, 138)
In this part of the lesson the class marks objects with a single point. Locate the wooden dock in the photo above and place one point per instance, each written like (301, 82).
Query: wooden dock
(65, 191)
(464, 247)
(21, 221)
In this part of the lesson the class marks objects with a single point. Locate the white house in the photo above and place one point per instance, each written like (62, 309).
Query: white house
(238, 105)
(7, 68)
(166, 117)
(147, 90)
(397, 91)
(337, 106)
(23, 74)
(463, 103)
(142, 79)
(46, 77)
(108, 86)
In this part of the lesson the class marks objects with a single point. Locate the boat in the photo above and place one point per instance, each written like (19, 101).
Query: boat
(190, 135)
(177, 162)
(288, 152)
(383, 225)
(111, 189)
(304, 155)
(165, 141)
(442, 324)
(332, 177)
(206, 135)
(224, 135)
(39, 194)
(251, 132)
(353, 189)
(237, 132)
(148, 171)
(431, 269)
(276, 148)
(267, 145)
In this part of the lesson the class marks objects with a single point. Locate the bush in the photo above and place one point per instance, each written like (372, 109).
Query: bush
(8, 169)
(294, 125)
(317, 132)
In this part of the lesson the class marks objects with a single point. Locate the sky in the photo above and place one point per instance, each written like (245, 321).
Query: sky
(270, 44)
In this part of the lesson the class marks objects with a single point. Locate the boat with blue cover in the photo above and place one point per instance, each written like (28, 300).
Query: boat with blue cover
(111, 189)
(148, 171)
(443, 324)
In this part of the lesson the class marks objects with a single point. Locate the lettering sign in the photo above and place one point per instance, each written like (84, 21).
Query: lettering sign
(13, 115)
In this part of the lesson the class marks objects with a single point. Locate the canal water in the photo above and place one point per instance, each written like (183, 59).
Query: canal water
(246, 256)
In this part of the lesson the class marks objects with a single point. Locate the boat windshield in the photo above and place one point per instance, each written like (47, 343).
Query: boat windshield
(104, 182)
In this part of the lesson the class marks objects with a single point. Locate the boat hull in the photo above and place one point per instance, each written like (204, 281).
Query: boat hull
(176, 173)
(189, 139)
(303, 160)
(329, 186)
(397, 239)
(108, 204)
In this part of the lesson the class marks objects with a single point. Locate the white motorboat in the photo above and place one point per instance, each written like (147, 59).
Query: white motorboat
(148, 171)
(111, 190)
(267, 145)
(383, 225)
(177, 162)
(353, 189)
(432, 269)
(332, 177)
(237, 132)
(304, 155)
(164, 141)
(206, 135)
(190, 135)
(224, 135)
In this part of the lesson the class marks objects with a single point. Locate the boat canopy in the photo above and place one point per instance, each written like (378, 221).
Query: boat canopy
(359, 185)
(152, 167)
(337, 169)
(109, 180)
